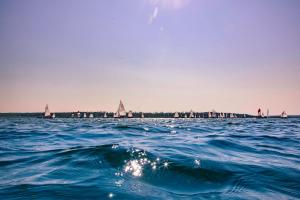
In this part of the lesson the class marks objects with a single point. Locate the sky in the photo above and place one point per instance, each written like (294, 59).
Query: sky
(155, 55)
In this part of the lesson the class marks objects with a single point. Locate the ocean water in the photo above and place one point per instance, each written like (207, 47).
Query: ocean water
(149, 158)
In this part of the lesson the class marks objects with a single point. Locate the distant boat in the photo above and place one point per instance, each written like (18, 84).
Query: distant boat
(53, 115)
(78, 114)
(72, 115)
(47, 113)
(192, 114)
(84, 115)
(213, 113)
(91, 115)
(105, 115)
(221, 115)
(260, 114)
(209, 114)
(142, 115)
(185, 116)
(121, 111)
(283, 115)
(130, 115)
(231, 115)
(176, 115)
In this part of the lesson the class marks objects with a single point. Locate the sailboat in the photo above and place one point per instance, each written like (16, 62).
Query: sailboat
(84, 115)
(209, 114)
(283, 115)
(121, 111)
(176, 115)
(259, 113)
(53, 115)
(213, 114)
(185, 116)
(91, 115)
(105, 115)
(47, 113)
(130, 115)
(231, 115)
(142, 115)
(78, 114)
(72, 115)
(192, 114)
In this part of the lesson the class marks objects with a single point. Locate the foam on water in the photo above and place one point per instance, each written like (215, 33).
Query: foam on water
(149, 158)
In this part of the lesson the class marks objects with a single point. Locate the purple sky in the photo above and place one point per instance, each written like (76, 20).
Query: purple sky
(155, 55)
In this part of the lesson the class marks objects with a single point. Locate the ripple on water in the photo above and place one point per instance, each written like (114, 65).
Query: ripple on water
(149, 158)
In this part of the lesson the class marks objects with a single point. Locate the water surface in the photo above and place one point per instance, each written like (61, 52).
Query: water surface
(149, 158)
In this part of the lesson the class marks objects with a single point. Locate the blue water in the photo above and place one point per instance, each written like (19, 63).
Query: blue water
(149, 159)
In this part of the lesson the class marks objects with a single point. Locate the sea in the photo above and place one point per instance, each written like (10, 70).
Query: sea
(245, 158)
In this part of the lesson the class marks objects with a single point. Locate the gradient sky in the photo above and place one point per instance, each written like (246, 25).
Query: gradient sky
(155, 55)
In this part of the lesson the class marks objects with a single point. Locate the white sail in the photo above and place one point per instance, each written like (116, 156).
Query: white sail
(142, 115)
(105, 115)
(192, 114)
(53, 115)
(209, 114)
(47, 111)
(121, 112)
(283, 115)
(78, 114)
(91, 115)
(130, 115)
(213, 113)
(185, 116)
(176, 115)
(84, 115)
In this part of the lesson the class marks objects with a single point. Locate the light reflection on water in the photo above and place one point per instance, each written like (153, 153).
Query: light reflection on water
(144, 159)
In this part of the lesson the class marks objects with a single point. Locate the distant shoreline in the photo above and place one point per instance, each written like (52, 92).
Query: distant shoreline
(135, 115)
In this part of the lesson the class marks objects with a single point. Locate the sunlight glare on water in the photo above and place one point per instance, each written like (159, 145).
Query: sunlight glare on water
(107, 158)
